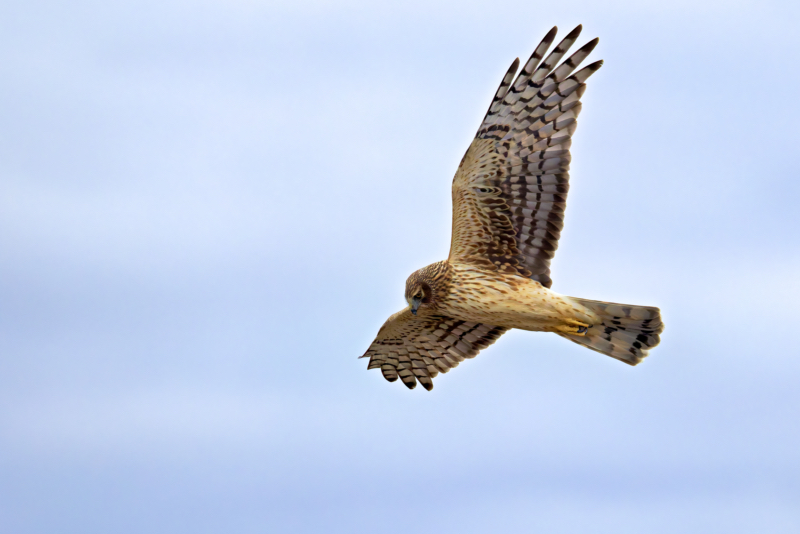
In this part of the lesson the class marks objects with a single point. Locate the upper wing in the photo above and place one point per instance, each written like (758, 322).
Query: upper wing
(510, 190)
(418, 348)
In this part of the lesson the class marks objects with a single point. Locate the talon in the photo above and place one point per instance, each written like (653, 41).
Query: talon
(573, 328)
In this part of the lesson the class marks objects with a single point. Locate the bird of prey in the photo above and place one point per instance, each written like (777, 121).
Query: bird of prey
(509, 195)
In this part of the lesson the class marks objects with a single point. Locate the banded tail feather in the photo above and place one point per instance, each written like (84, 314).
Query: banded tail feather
(626, 332)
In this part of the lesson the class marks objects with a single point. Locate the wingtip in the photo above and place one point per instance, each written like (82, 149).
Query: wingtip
(593, 67)
(575, 32)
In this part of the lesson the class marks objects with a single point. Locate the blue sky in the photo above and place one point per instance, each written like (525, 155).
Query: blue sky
(208, 209)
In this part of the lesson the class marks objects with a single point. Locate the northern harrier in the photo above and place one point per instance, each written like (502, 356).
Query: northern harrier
(509, 195)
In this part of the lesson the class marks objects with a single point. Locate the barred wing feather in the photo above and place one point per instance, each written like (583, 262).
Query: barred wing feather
(510, 190)
(419, 348)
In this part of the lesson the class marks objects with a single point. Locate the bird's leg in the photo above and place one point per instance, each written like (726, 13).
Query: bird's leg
(573, 327)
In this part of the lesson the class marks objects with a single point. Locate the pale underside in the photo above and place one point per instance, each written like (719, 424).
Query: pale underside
(510, 301)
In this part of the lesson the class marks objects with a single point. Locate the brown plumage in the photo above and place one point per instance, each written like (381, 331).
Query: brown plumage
(509, 197)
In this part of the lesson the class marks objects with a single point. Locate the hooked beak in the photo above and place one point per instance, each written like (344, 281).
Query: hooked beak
(415, 302)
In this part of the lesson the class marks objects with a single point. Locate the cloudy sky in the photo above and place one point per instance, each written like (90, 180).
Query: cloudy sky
(207, 209)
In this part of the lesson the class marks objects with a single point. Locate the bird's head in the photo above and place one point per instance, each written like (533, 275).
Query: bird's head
(429, 286)
(418, 292)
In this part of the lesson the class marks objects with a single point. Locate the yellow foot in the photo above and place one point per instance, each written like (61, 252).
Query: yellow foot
(573, 328)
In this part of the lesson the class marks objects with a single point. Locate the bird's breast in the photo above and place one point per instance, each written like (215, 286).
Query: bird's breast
(504, 300)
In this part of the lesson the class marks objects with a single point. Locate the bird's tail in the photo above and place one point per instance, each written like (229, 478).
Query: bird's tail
(626, 332)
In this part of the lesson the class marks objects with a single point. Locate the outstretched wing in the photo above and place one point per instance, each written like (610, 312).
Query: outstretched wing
(510, 190)
(420, 347)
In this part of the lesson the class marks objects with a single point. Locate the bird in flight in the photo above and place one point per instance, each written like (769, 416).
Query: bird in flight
(509, 195)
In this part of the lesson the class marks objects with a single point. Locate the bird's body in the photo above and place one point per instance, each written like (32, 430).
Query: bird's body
(509, 196)
(469, 293)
